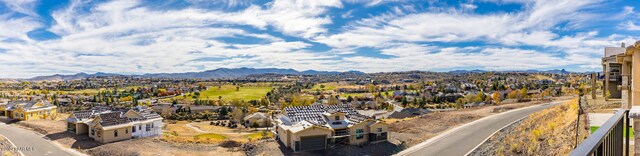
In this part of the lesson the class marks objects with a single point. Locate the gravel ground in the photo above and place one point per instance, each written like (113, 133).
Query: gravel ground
(156, 147)
(6, 147)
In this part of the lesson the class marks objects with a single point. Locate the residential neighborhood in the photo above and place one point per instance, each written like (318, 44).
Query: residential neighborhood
(319, 77)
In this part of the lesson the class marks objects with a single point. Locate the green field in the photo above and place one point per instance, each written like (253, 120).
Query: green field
(258, 135)
(210, 136)
(327, 86)
(594, 128)
(228, 92)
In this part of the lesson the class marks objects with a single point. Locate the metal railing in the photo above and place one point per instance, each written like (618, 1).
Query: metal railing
(612, 138)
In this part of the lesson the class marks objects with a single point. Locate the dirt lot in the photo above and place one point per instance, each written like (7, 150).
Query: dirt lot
(154, 146)
(56, 131)
(407, 133)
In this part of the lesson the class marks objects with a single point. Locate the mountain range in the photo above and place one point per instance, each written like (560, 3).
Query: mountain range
(236, 73)
(209, 74)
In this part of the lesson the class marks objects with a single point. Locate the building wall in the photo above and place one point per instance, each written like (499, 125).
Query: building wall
(352, 134)
(314, 131)
(374, 128)
(284, 136)
(311, 132)
(81, 128)
(31, 115)
(141, 129)
(108, 136)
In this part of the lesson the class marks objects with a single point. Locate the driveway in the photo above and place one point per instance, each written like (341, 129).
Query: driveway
(461, 140)
(32, 143)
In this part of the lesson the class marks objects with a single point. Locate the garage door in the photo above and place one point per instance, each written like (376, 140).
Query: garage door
(313, 142)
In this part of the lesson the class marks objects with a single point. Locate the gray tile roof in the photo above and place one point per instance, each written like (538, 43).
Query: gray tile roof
(113, 118)
(314, 113)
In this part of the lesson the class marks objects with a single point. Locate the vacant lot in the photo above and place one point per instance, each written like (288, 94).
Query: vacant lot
(56, 131)
(202, 132)
(230, 92)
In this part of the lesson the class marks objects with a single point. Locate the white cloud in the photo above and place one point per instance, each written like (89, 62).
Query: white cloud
(128, 37)
(629, 25)
(22, 6)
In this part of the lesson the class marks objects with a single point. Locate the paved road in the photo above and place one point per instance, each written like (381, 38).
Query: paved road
(33, 144)
(465, 138)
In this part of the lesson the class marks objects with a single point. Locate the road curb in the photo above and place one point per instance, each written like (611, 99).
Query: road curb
(442, 135)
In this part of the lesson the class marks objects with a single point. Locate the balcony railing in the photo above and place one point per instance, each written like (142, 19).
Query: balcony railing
(612, 138)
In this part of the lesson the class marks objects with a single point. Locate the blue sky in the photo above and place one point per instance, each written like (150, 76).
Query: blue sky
(144, 36)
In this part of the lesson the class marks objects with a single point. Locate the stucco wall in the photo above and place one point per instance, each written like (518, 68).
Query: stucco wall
(311, 132)
(374, 128)
(352, 134)
(124, 133)
(284, 136)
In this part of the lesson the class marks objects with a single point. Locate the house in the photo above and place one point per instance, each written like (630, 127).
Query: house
(415, 111)
(107, 126)
(203, 108)
(399, 115)
(260, 119)
(319, 127)
(28, 110)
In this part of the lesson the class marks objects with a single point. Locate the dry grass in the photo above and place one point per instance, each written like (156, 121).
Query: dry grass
(206, 127)
(179, 132)
(551, 131)
(5, 144)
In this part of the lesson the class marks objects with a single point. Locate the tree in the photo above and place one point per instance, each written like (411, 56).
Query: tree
(223, 112)
(523, 93)
(497, 97)
(513, 94)
(404, 102)
(255, 125)
(349, 98)
(237, 88)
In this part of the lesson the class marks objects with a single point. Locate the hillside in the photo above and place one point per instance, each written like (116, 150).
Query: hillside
(548, 132)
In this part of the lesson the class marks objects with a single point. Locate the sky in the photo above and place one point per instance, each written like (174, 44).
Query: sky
(147, 36)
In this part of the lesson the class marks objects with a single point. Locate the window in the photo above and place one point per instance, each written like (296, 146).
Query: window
(115, 133)
(337, 117)
(379, 129)
(152, 125)
(359, 133)
(126, 131)
(133, 129)
(148, 127)
(93, 132)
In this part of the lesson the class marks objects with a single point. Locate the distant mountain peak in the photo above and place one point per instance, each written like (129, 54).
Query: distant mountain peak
(207, 74)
